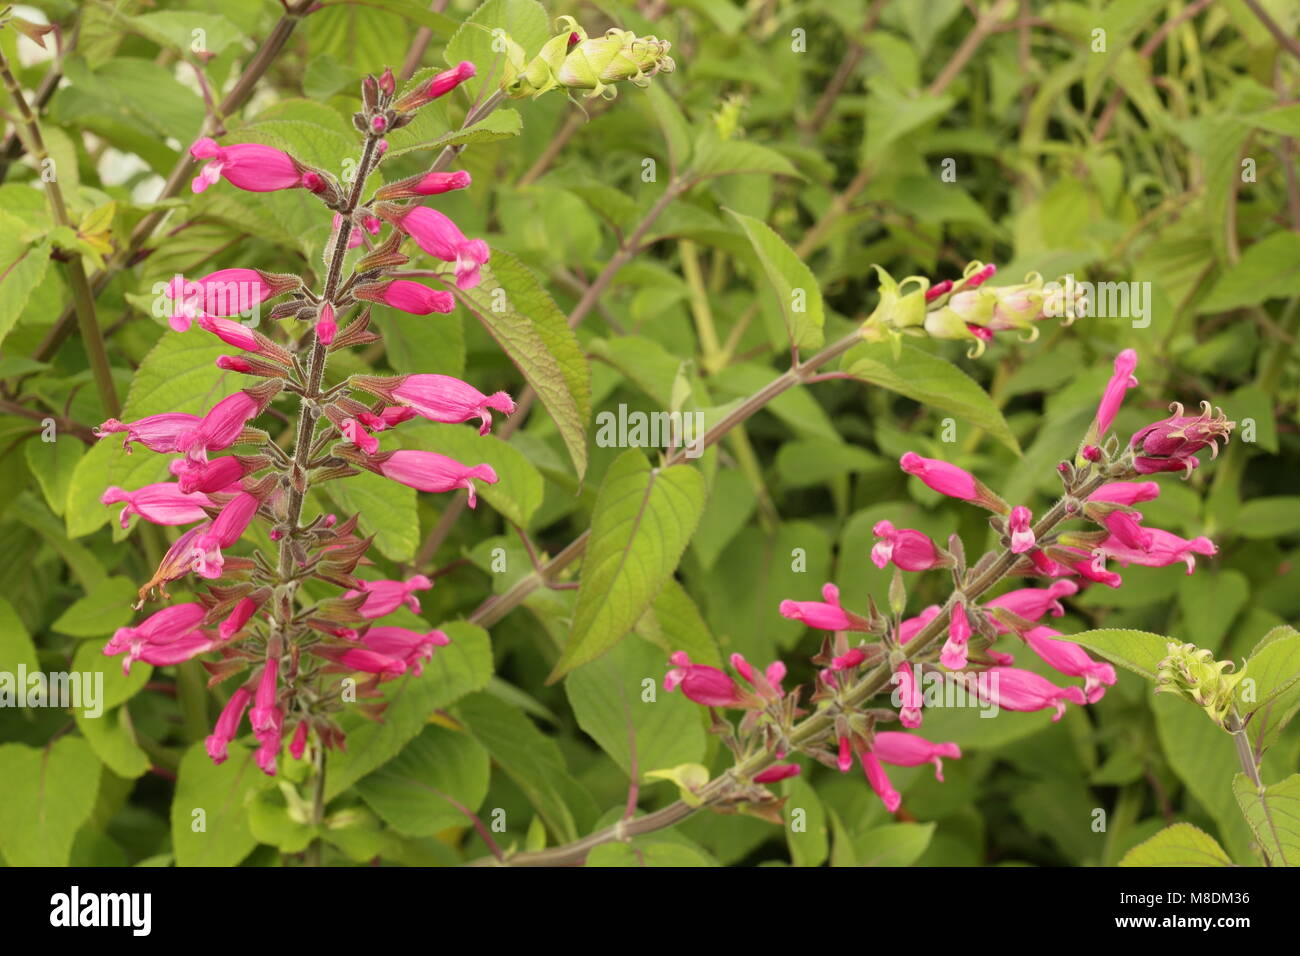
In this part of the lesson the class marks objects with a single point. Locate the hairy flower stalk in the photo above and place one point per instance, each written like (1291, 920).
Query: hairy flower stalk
(287, 656)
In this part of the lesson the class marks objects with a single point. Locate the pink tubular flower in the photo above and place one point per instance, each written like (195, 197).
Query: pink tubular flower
(298, 746)
(1126, 492)
(768, 684)
(952, 481)
(158, 628)
(1120, 382)
(1020, 524)
(232, 333)
(1172, 444)
(158, 433)
(1011, 688)
(910, 627)
(1071, 660)
(439, 398)
(265, 707)
(440, 85)
(825, 615)
(429, 471)
(209, 476)
(1165, 548)
(437, 235)
(370, 224)
(845, 759)
(910, 698)
(362, 659)
(326, 326)
(953, 655)
(221, 427)
(271, 739)
(238, 617)
(909, 750)
(778, 771)
(227, 726)
(224, 292)
(428, 184)
(879, 781)
(909, 549)
(228, 528)
(703, 684)
(1031, 603)
(1125, 528)
(385, 597)
(162, 503)
(849, 660)
(390, 417)
(407, 296)
(410, 647)
(251, 167)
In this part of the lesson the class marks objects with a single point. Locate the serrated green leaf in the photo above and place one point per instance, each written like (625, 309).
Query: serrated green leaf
(1274, 816)
(437, 779)
(797, 291)
(1179, 845)
(220, 834)
(1138, 651)
(49, 793)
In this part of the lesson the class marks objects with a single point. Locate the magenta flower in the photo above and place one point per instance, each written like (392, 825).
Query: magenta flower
(410, 647)
(1125, 528)
(1120, 382)
(228, 528)
(362, 659)
(778, 771)
(909, 549)
(220, 474)
(879, 781)
(390, 417)
(768, 684)
(326, 326)
(298, 746)
(244, 609)
(224, 292)
(158, 433)
(1172, 444)
(407, 296)
(370, 224)
(825, 615)
(251, 167)
(1165, 548)
(440, 85)
(1126, 492)
(910, 698)
(428, 184)
(1020, 524)
(852, 658)
(1071, 660)
(437, 235)
(1031, 603)
(221, 427)
(166, 637)
(909, 750)
(1011, 688)
(429, 471)
(439, 398)
(953, 655)
(262, 716)
(385, 597)
(227, 726)
(910, 627)
(952, 481)
(163, 503)
(703, 684)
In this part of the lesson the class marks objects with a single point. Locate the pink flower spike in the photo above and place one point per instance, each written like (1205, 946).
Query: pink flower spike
(1011, 688)
(825, 615)
(1020, 524)
(1120, 382)
(768, 685)
(910, 698)
(407, 296)
(909, 750)
(221, 427)
(441, 84)
(433, 184)
(227, 726)
(879, 781)
(161, 627)
(938, 289)
(232, 333)
(1071, 660)
(977, 279)
(429, 471)
(248, 166)
(953, 655)
(701, 683)
(224, 292)
(1165, 548)
(778, 771)
(173, 652)
(1126, 492)
(385, 597)
(1031, 603)
(160, 433)
(1172, 444)
(362, 659)
(164, 503)
(910, 550)
(437, 235)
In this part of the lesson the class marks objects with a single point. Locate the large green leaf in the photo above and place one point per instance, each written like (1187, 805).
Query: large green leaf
(524, 21)
(620, 702)
(49, 794)
(1179, 845)
(219, 835)
(1274, 816)
(641, 524)
(22, 266)
(1138, 651)
(796, 287)
(437, 779)
(930, 380)
(387, 509)
(524, 320)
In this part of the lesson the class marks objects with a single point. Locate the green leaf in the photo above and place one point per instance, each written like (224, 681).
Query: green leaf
(726, 157)
(210, 810)
(387, 509)
(930, 380)
(796, 287)
(674, 623)
(805, 824)
(1138, 651)
(1273, 676)
(647, 853)
(49, 793)
(1269, 517)
(895, 844)
(533, 761)
(499, 124)
(524, 21)
(16, 648)
(22, 267)
(1210, 602)
(891, 115)
(53, 464)
(609, 700)
(672, 123)
(83, 513)
(102, 611)
(415, 11)
(463, 666)
(114, 743)
(535, 334)
(175, 29)
(518, 493)
(640, 526)
(273, 821)
(437, 779)
(1179, 845)
(1274, 816)
(117, 687)
(1270, 269)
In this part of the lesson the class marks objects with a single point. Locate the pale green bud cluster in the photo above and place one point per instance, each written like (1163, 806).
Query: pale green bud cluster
(1196, 676)
(574, 61)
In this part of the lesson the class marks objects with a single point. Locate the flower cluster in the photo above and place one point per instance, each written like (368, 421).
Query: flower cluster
(955, 643)
(292, 655)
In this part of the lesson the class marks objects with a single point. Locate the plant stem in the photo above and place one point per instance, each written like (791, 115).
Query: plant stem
(83, 301)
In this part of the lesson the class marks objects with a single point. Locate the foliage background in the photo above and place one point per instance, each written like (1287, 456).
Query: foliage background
(838, 149)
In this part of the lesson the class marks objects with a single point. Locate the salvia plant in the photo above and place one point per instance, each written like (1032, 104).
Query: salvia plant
(654, 436)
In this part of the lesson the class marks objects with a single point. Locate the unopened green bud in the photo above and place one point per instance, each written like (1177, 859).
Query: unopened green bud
(1196, 676)
(595, 63)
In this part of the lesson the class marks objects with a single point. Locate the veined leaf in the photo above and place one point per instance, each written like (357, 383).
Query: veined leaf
(1274, 816)
(1179, 845)
(796, 287)
(1138, 651)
